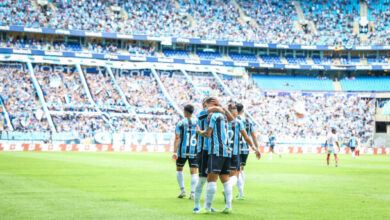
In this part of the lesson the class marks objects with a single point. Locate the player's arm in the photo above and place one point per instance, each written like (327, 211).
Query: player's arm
(175, 146)
(204, 133)
(223, 110)
(209, 130)
(254, 138)
(215, 109)
(176, 142)
(249, 141)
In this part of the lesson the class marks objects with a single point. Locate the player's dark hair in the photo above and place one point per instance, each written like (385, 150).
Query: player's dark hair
(240, 107)
(210, 99)
(189, 108)
(232, 106)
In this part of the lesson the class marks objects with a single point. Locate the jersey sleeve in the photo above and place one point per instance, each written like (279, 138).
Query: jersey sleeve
(252, 127)
(241, 125)
(212, 120)
(178, 127)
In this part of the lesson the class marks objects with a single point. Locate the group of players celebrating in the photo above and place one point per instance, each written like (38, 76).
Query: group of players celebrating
(217, 143)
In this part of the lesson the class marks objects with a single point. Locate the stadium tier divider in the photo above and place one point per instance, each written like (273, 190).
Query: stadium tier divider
(40, 96)
(227, 90)
(190, 81)
(165, 92)
(123, 97)
(9, 124)
(86, 88)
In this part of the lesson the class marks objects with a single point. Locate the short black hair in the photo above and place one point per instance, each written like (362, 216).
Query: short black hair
(210, 99)
(189, 108)
(240, 107)
(232, 106)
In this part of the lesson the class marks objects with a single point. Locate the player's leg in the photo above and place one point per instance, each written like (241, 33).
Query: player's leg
(202, 161)
(214, 167)
(180, 162)
(327, 159)
(336, 159)
(194, 176)
(276, 152)
(241, 177)
(271, 149)
(211, 190)
(234, 169)
(353, 152)
(227, 187)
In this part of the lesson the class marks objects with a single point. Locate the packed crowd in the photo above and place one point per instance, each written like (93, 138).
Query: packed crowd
(333, 21)
(21, 100)
(219, 19)
(275, 19)
(73, 122)
(73, 112)
(180, 89)
(379, 12)
(144, 94)
(91, 46)
(277, 113)
(104, 92)
(62, 90)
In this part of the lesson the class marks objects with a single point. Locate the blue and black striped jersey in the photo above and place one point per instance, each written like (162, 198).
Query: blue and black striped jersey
(218, 139)
(353, 142)
(234, 135)
(202, 123)
(186, 128)
(249, 128)
(271, 140)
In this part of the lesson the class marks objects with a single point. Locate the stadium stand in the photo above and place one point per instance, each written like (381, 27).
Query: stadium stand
(271, 59)
(91, 100)
(20, 100)
(293, 83)
(176, 53)
(333, 21)
(210, 55)
(276, 112)
(243, 57)
(211, 19)
(378, 84)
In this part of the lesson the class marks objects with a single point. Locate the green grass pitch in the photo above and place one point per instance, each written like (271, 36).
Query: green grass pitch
(77, 185)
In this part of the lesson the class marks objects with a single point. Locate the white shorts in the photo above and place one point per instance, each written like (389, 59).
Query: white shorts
(332, 150)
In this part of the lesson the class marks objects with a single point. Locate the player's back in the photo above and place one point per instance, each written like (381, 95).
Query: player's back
(248, 126)
(188, 137)
(271, 139)
(353, 142)
(332, 140)
(218, 140)
(202, 123)
(234, 128)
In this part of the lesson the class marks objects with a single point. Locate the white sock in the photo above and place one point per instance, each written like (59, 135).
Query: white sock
(211, 189)
(194, 181)
(353, 155)
(271, 155)
(241, 188)
(227, 187)
(180, 180)
(233, 181)
(198, 191)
